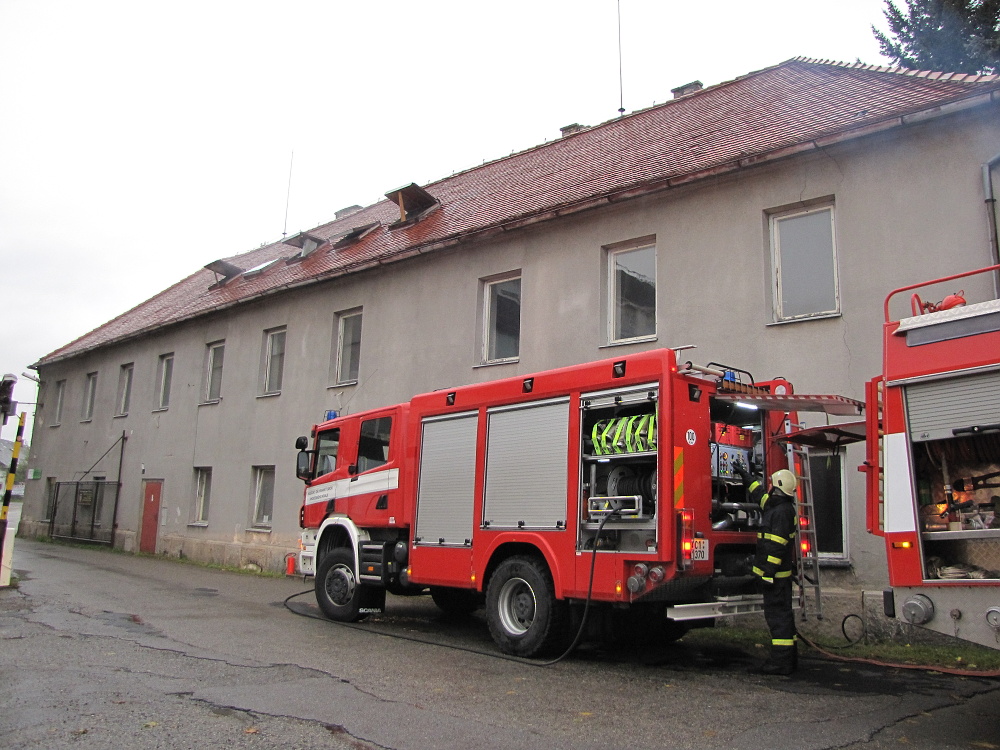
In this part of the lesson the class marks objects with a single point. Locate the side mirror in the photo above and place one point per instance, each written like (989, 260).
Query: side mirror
(303, 468)
(301, 443)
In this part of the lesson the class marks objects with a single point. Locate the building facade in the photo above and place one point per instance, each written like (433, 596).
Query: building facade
(762, 220)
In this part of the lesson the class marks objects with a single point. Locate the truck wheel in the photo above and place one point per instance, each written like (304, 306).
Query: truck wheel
(338, 592)
(456, 602)
(524, 616)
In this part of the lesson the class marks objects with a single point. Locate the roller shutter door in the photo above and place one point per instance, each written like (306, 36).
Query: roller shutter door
(936, 408)
(526, 464)
(446, 490)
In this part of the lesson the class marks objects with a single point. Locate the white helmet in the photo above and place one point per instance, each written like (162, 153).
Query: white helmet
(785, 481)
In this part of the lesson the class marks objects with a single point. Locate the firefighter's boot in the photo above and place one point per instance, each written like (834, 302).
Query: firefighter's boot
(783, 661)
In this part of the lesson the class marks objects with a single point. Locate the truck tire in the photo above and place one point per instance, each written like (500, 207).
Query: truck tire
(456, 602)
(522, 611)
(338, 592)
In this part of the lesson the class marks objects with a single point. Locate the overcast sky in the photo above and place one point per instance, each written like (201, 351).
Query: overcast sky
(140, 140)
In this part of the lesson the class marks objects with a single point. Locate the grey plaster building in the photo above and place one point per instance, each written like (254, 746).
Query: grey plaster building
(763, 219)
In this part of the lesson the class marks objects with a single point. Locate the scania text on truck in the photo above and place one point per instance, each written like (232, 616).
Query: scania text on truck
(610, 482)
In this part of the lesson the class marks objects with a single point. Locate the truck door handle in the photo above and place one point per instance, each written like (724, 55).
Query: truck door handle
(975, 429)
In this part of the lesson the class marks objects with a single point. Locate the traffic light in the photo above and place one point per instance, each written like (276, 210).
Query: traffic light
(7, 405)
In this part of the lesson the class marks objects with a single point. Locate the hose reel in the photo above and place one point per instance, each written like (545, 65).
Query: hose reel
(623, 480)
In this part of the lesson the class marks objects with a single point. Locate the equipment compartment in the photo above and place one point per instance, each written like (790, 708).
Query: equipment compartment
(618, 469)
(957, 483)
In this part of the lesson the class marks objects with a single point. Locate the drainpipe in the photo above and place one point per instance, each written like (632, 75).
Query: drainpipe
(991, 218)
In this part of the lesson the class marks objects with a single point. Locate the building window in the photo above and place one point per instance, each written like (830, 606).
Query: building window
(263, 496)
(89, 395)
(804, 259)
(348, 347)
(274, 360)
(501, 319)
(202, 495)
(214, 356)
(632, 293)
(373, 446)
(58, 408)
(124, 389)
(164, 374)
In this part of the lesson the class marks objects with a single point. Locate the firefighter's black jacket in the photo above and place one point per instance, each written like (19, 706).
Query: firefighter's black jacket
(775, 554)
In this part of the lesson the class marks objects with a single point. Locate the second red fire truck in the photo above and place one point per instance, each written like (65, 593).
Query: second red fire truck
(608, 483)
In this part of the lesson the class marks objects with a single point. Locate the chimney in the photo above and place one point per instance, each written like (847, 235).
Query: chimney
(687, 88)
(574, 128)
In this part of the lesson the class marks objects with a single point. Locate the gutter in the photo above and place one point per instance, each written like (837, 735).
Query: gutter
(991, 219)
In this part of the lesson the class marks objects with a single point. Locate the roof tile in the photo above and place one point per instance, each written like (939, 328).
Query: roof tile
(772, 112)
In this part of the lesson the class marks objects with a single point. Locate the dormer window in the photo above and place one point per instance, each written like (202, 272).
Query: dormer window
(307, 243)
(355, 235)
(414, 203)
(224, 269)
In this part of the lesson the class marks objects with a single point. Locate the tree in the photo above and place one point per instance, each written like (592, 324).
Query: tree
(955, 36)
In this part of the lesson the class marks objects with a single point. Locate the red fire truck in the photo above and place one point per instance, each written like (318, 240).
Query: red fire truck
(609, 483)
(933, 470)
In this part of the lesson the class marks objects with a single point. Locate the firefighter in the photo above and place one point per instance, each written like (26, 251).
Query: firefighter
(773, 563)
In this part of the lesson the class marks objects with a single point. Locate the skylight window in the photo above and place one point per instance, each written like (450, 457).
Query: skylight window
(308, 243)
(414, 203)
(258, 269)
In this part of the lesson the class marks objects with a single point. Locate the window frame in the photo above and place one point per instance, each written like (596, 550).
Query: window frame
(340, 377)
(164, 380)
(776, 282)
(612, 306)
(89, 397)
(123, 399)
(202, 502)
(372, 433)
(215, 350)
(488, 317)
(259, 520)
(60, 397)
(273, 363)
(841, 507)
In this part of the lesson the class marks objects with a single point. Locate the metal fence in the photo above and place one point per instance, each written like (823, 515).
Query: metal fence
(84, 511)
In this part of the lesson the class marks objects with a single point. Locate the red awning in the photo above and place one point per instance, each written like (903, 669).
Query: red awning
(828, 436)
(840, 406)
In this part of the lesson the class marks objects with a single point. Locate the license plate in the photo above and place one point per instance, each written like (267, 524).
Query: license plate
(700, 549)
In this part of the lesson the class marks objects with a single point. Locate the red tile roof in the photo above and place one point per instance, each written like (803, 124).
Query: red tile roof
(796, 106)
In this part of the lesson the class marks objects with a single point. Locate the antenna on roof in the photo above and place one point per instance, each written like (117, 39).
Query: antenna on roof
(621, 89)
(288, 195)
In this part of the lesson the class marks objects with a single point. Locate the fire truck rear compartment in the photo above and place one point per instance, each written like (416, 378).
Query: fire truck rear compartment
(954, 430)
(960, 529)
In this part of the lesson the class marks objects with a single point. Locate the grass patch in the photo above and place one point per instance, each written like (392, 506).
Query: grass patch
(954, 654)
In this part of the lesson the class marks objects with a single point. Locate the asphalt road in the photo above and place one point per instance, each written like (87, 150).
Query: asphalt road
(103, 650)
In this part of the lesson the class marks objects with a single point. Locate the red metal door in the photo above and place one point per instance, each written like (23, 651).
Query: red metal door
(151, 489)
